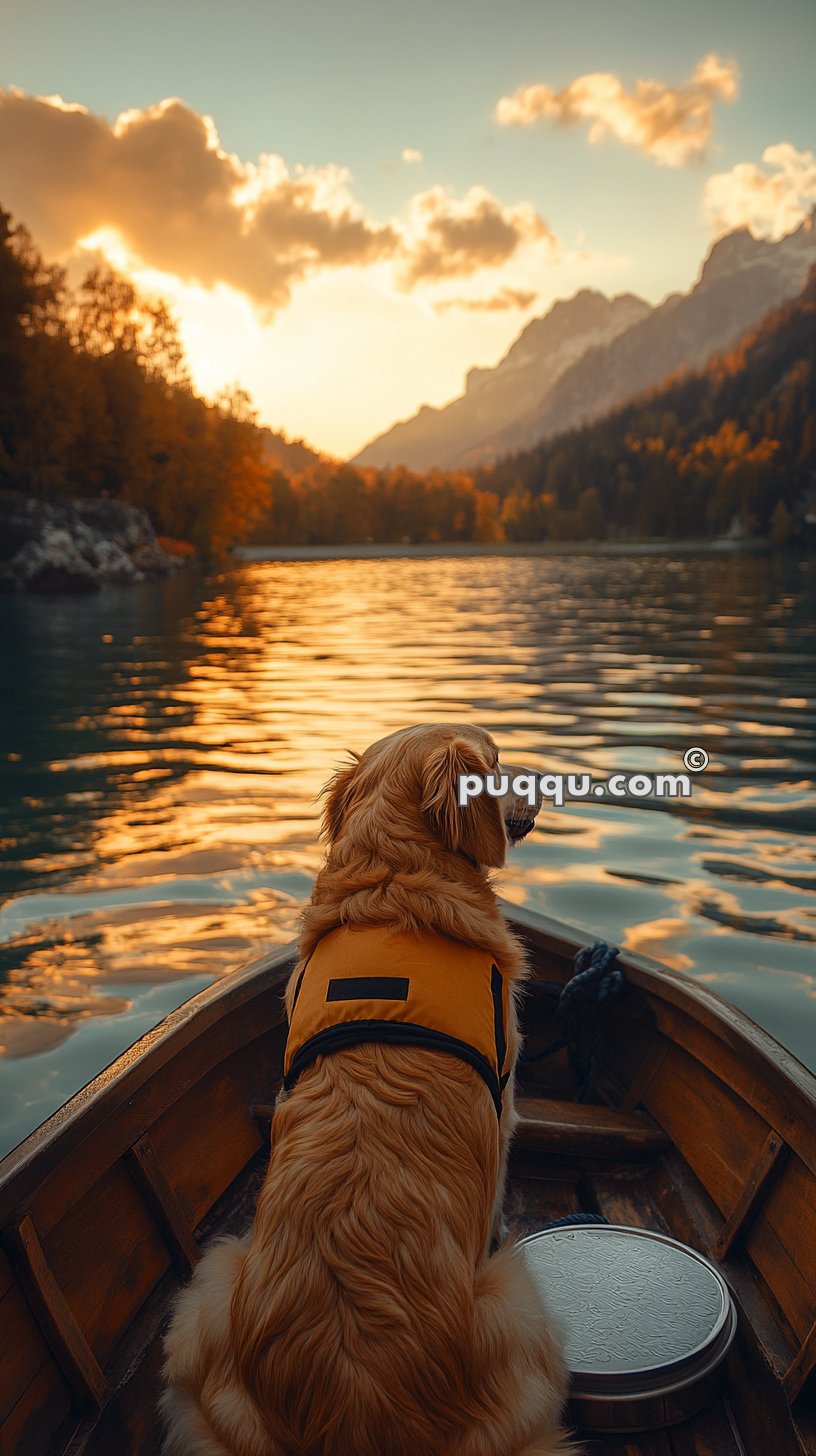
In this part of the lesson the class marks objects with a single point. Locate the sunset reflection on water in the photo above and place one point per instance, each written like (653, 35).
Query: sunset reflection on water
(163, 748)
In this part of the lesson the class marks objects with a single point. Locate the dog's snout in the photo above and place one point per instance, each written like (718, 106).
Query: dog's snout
(519, 828)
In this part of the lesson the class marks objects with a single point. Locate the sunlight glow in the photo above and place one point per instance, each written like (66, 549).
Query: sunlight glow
(291, 366)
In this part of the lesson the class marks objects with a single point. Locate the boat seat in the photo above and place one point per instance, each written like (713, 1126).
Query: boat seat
(577, 1130)
(570, 1128)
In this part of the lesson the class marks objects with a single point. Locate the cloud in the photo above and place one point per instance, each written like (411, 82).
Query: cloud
(671, 124)
(501, 302)
(410, 154)
(179, 201)
(770, 202)
(450, 237)
(177, 198)
(160, 181)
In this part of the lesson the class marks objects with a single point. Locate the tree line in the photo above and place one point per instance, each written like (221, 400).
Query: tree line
(734, 441)
(96, 399)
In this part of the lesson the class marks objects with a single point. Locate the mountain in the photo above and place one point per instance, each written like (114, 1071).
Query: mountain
(742, 279)
(495, 397)
(730, 448)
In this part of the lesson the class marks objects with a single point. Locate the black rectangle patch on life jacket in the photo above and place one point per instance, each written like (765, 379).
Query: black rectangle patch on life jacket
(368, 988)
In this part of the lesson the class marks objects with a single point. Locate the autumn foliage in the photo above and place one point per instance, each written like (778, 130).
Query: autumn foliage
(736, 441)
(332, 503)
(95, 399)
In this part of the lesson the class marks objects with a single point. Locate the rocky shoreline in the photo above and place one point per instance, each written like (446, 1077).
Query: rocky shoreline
(77, 545)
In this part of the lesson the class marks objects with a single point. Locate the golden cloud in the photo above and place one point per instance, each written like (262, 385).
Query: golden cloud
(455, 237)
(771, 202)
(501, 302)
(671, 124)
(179, 201)
(160, 179)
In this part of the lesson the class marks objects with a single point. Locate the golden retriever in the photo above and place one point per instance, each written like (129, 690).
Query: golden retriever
(365, 1314)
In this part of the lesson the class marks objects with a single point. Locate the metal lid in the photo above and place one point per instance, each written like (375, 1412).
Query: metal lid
(644, 1317)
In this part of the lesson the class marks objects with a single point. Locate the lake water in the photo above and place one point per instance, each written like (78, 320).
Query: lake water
(163, 746)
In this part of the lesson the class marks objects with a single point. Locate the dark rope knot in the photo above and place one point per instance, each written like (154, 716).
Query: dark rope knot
(597, 979)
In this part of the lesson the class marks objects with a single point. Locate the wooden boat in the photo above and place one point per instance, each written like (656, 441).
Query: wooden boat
(701, 1126)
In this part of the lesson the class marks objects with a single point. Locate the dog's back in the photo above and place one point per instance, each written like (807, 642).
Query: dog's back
(361, 1321)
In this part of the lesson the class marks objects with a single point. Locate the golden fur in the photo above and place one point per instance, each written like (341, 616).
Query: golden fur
(364, 1315)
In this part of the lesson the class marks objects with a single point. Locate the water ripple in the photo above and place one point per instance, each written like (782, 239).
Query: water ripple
(163, 747)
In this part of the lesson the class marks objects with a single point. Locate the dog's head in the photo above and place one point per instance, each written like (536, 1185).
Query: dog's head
(519, 814)
(406, 786)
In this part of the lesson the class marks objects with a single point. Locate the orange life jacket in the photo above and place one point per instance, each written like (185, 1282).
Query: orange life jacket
(370, 984)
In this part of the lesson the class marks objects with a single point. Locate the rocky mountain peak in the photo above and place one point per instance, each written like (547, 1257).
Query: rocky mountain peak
(590, 353)
(739, 249)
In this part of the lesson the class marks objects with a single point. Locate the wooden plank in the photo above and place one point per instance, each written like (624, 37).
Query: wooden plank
(802, 1367)
(107, 1255)
(25, 1352)
(7, 1280)
(644, 1076)
(259, 1054)
(55, 1316)
(105, 1250)
(640, 1443)
(533, 1202)
(740, 1065)
(756, 1185)
(206, 1139)
(718, 1134)
(782, 1244)
(737, 1427)
(151, 1180)
(626, 1201)
(42, 1410)
(764, 1345)
(572, 1129)
(96, 1127)
(764, 1414)
(709, 1433)
(130, 1423)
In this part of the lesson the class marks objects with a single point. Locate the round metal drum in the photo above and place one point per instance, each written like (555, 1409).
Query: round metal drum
(647, 1322)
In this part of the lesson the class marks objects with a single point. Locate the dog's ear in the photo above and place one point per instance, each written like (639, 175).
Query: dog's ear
(338, 793)
(476, 828)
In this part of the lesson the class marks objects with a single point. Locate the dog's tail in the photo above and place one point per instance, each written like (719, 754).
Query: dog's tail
(559, 1445)
(520, 1344)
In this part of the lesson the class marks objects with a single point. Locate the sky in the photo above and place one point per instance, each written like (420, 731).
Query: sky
(349, 206)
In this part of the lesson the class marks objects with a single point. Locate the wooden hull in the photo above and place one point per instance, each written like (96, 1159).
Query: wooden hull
(704, 1129)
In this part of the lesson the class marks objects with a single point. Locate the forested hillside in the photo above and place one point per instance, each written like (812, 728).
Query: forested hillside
(95, 400)
(737, 440)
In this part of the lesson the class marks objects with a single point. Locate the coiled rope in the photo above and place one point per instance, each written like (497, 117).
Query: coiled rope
(571, 1220)
(597, 979)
